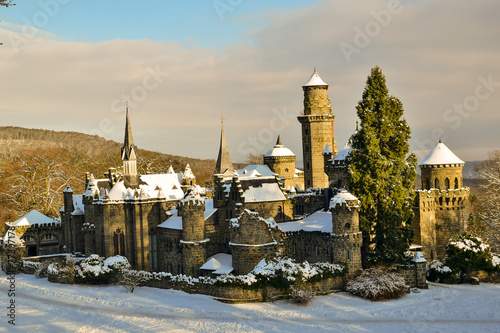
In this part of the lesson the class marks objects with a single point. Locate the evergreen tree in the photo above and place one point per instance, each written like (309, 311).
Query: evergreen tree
(381, 173)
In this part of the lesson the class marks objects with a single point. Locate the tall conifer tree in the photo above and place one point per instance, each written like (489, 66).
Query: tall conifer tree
(382, 172)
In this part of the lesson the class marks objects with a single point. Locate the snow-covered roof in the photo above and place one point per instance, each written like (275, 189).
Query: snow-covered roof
(188, 173)
(315, 80)
(154, 186)
(255, 170)
(32, 218)
(343, 197)
(279, 151)
(220, 263)
(441, 155)
(341, 155)
(318, 221)
(175, 222)
(327, 150)
(264, 192)
(77, 204)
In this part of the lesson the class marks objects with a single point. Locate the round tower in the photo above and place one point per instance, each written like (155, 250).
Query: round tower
(441, 169)
(317, 131)
(193, 233)
(347, 239)
(282, 161)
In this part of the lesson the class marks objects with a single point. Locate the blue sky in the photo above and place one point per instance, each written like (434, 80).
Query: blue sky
(180, 65)
(212, 24)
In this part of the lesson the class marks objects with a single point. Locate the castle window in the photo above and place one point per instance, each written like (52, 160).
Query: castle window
(119, 242)
(286, 170)
(436, 183)
(456, 183)
(427, 186)
(294, 248)
(349, 255)
(153, 252)
(447, 184)
(279, 213)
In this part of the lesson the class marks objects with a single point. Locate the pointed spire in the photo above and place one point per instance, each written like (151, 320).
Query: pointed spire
(128, 143)
(278, 142)
(315, 80)
(223, 159)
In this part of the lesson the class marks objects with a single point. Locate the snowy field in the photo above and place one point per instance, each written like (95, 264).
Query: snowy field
(42, 306)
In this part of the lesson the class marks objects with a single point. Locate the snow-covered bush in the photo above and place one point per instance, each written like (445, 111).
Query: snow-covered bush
(466, 253)
(29, 267)
(96, 270)
(439, 272)
(41, 269)
(301, 294)
(130, 280)
(377, 284)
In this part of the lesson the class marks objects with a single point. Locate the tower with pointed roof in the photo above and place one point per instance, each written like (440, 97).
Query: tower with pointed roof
(442, 205)
(129, 155)
(224, 165)
(282, 160)
(317, 131)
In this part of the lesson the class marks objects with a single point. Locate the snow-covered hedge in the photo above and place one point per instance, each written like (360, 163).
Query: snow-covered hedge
(377, 284)
(96, 269)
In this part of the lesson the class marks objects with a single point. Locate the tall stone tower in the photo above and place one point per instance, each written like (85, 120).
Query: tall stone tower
(129, 157)
(193, 233)
(317, 131)
(441, 206)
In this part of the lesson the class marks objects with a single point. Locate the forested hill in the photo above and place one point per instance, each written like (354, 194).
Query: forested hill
(36, 165)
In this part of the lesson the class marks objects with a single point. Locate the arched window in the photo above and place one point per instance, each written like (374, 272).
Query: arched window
(119, 242)
(427, 185)
(456, 183)
(447, 184)
(436, 183)
(279, 212)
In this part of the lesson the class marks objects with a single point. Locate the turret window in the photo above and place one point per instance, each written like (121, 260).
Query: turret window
(456, 183)
(436, 183)
(447, 184)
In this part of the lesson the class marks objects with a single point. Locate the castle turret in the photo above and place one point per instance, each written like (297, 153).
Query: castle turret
(345, 227)
(335, 167)
(129, 157)
(441, 169)
(193, 233)
(281, 160)
(317, 131)
(441, 207)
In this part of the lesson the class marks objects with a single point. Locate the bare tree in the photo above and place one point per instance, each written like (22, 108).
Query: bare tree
(6, 3)
(255, 158)
(488, 211)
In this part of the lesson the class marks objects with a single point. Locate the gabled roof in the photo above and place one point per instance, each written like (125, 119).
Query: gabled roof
(441, 155)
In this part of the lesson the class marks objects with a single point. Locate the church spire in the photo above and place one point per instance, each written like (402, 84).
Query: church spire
(224, 163)
(128, 150)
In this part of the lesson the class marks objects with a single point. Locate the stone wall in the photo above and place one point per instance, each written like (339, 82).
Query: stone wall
(415, 275)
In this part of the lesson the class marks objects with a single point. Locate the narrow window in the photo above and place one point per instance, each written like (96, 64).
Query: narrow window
(436, 183)
(447, 184)
(456, 183)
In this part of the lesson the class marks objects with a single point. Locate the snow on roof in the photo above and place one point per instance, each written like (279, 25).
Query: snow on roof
(318, 221)
(342, 197)
(341, 155)
(170, 170)
(220, 263)
(327, 150)
(441, 155)
(418, 257)
(279, 151)
(315, 80)
(156, 186)
(209, 208)
(188, 173)
(32, 218)
(174, 222)
(254, 170)
(77, 203)
(264, 192)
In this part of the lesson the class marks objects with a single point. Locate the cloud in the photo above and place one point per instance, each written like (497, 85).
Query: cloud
(432, 53)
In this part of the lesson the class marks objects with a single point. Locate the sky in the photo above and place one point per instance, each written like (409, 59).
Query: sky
(72, 65)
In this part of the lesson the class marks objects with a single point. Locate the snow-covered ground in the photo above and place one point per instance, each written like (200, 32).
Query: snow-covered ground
(42, 306)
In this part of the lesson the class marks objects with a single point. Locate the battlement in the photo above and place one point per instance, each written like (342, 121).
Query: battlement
(441, 199)
(352, 237)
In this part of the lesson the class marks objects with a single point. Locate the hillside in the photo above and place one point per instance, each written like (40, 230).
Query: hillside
(36, 164)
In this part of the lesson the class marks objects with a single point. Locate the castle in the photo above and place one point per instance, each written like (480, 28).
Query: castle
(165, 222)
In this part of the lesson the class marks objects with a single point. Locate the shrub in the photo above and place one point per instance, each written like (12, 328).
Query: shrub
(97, 270)
(466, 253)
(377, 284)
(67, 271)
(302, 295)
(131, 279)
(41, 269)
(439, 272)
